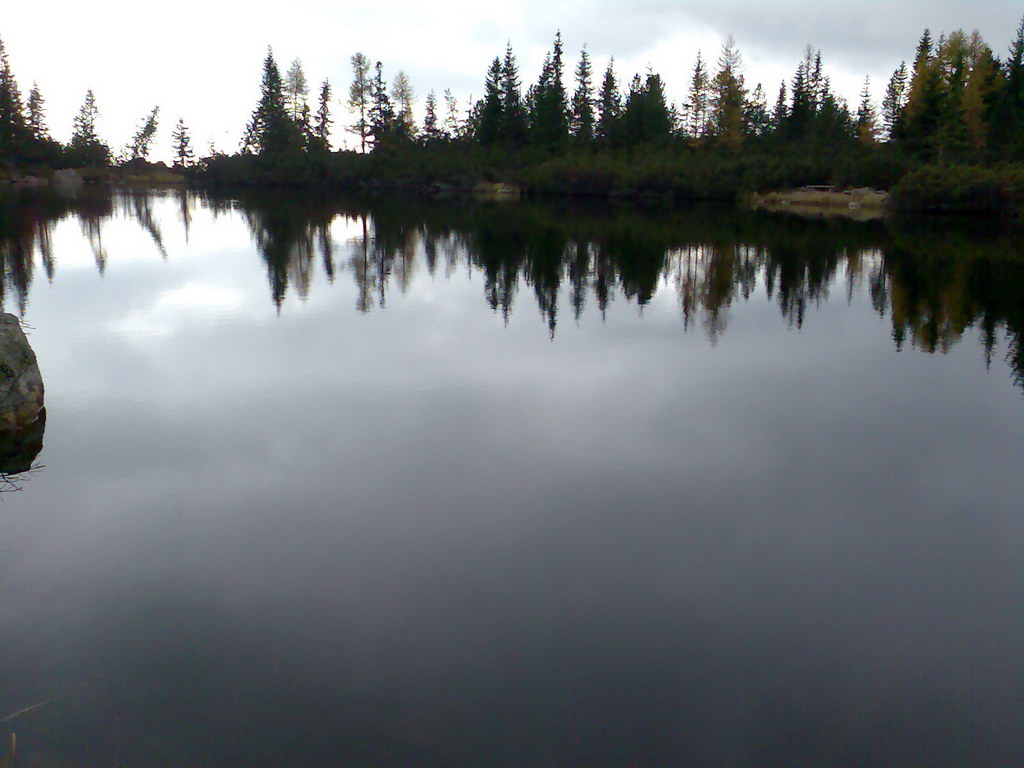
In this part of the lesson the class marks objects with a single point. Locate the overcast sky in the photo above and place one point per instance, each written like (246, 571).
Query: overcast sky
(201, 59)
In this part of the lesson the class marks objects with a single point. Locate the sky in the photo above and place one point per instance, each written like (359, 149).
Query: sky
(201, 60)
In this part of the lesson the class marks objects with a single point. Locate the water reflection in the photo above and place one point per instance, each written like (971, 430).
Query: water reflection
(934, 281)
(314, 532)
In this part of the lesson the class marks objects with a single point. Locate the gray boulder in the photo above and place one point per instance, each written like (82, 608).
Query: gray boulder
(21, 384)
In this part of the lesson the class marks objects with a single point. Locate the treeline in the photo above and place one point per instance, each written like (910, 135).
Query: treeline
(26, 143)
(955, 103)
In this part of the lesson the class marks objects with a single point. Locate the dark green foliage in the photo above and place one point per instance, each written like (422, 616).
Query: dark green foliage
(86, 149)
(582, 121)
(963, 188)
(609, 105)
(645, 117)
(549, 110)
(271, 131)
(322, 129)
(14, 133)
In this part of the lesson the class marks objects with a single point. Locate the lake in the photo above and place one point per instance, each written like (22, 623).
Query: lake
(393, 482)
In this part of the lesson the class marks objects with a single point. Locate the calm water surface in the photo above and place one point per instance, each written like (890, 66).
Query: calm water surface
(328, 483)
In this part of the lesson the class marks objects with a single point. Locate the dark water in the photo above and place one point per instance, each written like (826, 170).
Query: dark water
(402, 484)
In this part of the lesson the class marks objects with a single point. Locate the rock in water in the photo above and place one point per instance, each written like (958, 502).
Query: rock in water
(21, 384)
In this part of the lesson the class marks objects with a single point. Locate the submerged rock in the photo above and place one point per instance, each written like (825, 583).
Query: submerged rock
(21, 383)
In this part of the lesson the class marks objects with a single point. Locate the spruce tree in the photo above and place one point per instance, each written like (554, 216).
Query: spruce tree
(382, 113)
(322, 129)
(923, 112)
(271, 131)
(85, 147)
(756, 116)
(490, 118)
(608, 105)
(513, 114)
(452, 124)
(36, 123)
(181, 144)
(13, 131)
(698, 100)
(894, 103)
(431, 128)
(867, 128)
(583, 101)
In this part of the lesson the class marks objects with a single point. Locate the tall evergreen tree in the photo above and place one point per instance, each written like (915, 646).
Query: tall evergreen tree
(322, 129)
(36, 122)
(923, 112)
(13, 131)
(608, 104)
(360, 94)
(431, 125)
(867, 127)
(645, 116)
(549, 123)
(756, 116)
(894, 103)
(271, 131)
(181, 144)
(490, 117)
(382, 113)
(699, 100)
(583, 101)
(452, 124)
(513, 114)
(780, 114)
(85, 147)
(1008, 122)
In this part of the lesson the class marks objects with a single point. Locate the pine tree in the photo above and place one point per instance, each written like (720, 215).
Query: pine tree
(645, 116)
(513, 115)
(85, 147)
(608, 105)
(490, 121)
(582, 124)
(322, 129)
(181, 144)
(138, 149)
(13, 131)
(271, 131)
(452, 124)
(698, 101)
(780, 114)
(382, 113)
(36, 123)
(923, 112)
(549, 123)
(360, 93)
(803, 109)
(867, 128)
(756, 115)
(894, 103)
(1008, 122)
(431, 129)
